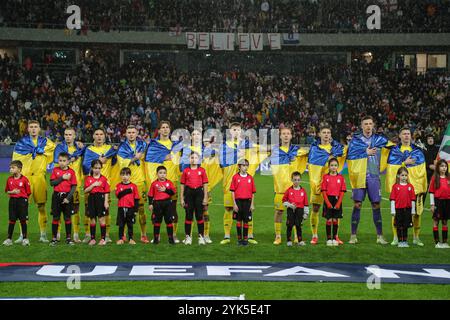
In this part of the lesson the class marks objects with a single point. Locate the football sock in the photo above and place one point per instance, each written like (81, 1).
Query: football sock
(24, 226)
(68, 223)
(11, 228)
(278, 229)
(289, 232)
(42, 218)
(314, 221)
(250, 229)
(55, 224)
(227, 223)
(328, 229)
(335, 229)
(206, 221)
(239, 230)
(142, 220)
(93, 225)
(377, 221)
(444, 234)
(394, 229)
(436, 234)
(417, 221)
(187, 227)
(245, 231)
(201, 227)
(356, 215)
(103, 231)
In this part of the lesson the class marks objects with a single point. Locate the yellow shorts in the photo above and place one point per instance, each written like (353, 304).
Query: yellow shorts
(278, 201)
(38, 189)
(228, 200)
(316, 198)
(76, 197)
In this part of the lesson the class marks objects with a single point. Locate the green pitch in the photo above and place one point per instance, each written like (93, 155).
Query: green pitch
(367, 251)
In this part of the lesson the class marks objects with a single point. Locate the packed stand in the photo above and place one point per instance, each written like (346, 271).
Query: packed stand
(232, 16)
(100, 93)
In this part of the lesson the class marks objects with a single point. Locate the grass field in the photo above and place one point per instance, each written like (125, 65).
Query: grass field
(367, 251)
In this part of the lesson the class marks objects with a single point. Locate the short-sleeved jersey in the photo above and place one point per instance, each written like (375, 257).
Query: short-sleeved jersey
(161, 195)
(298, 197)
(444, 188)
(403, 195)
(20, 183)
(194, 178)
(333, 185)
(243, 186)
(127, 201)
(64, 185)
(103, 188)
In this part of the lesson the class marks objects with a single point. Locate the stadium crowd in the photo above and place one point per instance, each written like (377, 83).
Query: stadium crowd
(99, 93)
(231, 16)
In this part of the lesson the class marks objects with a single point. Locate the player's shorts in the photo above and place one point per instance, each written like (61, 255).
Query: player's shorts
(332, 213)
(38, 188)
(228, 200)
(18, 209)
(162, 209)
(76, 196)
(244, 213)
(403, 218)
(373, 189)
(125, 215)
(316, 198)
(142, 193)
(96, 205)
(441, 209)
(294, 217)
(278, 201)
(59, 207)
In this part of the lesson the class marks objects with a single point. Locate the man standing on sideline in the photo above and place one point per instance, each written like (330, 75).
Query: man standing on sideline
(364, 160)
(36, 153)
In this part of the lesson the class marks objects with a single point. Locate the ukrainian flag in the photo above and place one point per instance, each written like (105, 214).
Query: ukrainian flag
(317, 162)
(156, 155)
(357, 158)
(89, 156)
(283, 163)
(34, 158)
(417, 171)
(125, 153)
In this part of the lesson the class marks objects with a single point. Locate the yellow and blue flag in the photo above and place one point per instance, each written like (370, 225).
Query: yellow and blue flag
(357, 158)
(34, 157)
(317, 162)
(417, 171)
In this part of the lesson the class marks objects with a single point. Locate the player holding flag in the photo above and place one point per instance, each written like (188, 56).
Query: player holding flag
(35, 153)
(163, 152)
(229, 153)
(408, 155)
(130, 155)
(210, 163)
(364, 166)
(106, 154)
(322, 150)
(75, 151)
(285, 159)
